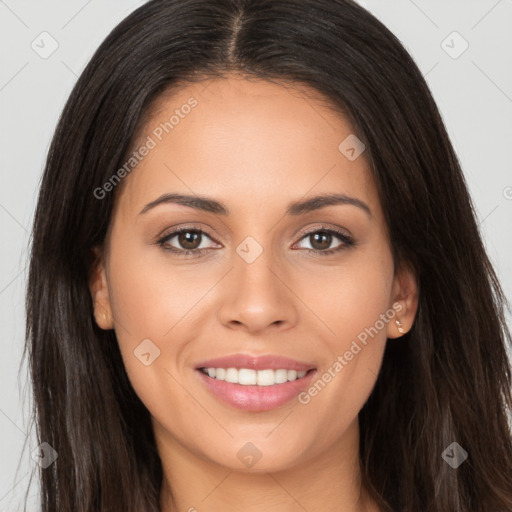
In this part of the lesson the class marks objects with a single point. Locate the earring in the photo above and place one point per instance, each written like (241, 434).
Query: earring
(401, 330)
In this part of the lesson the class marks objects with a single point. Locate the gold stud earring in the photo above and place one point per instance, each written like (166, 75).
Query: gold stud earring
(401, 330)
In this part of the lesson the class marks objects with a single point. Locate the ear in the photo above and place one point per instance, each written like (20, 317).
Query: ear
(404, 301)
(98, 286)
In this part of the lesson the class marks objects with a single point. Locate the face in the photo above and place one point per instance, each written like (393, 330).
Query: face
(259, 269)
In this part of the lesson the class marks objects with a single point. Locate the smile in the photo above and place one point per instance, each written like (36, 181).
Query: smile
(255, 390)
(247, 376)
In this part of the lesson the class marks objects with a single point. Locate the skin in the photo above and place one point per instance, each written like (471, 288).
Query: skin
(255, 146)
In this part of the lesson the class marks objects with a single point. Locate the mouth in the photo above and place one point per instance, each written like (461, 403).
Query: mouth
(255, 384)
(251, 377)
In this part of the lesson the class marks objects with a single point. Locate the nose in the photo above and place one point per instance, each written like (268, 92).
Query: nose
(258, 296)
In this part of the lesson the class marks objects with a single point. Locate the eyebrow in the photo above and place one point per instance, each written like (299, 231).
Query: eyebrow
(294, 209)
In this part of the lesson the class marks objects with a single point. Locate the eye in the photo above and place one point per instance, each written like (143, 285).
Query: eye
(320, 240)
(189, 241)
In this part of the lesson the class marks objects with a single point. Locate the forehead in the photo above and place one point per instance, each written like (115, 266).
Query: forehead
(242, 139)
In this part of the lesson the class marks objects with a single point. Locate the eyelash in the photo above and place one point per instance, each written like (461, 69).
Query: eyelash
(347, 241)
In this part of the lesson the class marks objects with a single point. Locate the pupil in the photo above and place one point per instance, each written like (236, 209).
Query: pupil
(189, 237)
(326, 240)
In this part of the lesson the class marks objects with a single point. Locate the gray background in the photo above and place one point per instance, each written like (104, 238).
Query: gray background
(473, 91)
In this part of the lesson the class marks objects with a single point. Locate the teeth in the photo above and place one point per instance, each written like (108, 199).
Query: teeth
(280, 376)
(248, 377)
(231, 375)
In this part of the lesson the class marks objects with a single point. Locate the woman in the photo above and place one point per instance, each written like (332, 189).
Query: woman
(257, 280)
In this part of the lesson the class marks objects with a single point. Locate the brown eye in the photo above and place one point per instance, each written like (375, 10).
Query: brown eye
(189, 239)
(186, 242)
(321, 240)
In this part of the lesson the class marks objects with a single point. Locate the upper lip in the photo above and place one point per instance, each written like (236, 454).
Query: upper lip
(269, 361)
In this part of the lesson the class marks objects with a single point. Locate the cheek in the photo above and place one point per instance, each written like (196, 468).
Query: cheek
(351, 296)
(351, 301)
(159, 307)
(148, 308)
(149, 294)
(149, 344)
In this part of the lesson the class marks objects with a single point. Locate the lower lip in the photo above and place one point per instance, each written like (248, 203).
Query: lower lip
(256, 398)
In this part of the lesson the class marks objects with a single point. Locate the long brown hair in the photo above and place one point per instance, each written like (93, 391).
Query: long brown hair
(448, 380)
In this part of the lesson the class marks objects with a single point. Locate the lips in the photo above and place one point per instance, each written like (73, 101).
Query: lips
(270, 361)
(256, 398)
